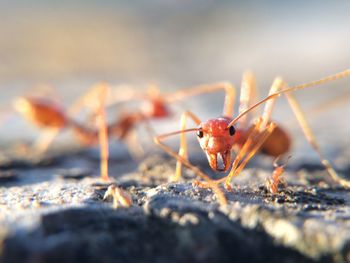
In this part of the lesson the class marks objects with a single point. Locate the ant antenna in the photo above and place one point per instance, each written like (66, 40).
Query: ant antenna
(177, 132)
(339, 75)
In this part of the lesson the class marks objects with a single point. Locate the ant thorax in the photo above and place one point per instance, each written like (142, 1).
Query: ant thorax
(216, 139)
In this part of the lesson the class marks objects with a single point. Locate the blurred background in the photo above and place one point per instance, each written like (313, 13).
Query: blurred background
(70, 45)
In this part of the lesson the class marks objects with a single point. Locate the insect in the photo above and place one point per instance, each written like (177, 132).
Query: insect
(218, 137)
(52, 117)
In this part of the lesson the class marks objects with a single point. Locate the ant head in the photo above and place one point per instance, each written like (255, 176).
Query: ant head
(216, 140)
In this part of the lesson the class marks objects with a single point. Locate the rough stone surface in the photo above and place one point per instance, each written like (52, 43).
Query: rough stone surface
(53, 211)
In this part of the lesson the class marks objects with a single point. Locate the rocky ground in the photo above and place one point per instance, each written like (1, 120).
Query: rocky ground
(52, 210)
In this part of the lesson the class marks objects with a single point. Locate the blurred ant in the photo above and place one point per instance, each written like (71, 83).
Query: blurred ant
(218, 137)
(46, 113)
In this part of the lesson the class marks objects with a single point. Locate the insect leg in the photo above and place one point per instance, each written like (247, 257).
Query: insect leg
(276, 86)
(88, 100)
(276, 178)
(230, 95)
(211, 184)
(248, 95)
(183, 152)
(261, 131)
(299, 114)
(103, 132)
(257, 138)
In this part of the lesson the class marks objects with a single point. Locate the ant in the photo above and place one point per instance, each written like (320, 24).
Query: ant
(218, 137)
(50, 115)
(47, 114)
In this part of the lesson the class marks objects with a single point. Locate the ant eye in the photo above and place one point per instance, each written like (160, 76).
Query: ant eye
(200, 133)
(232, 130)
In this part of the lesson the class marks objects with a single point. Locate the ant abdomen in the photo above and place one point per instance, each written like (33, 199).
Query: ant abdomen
(42, 112)
(278, 143)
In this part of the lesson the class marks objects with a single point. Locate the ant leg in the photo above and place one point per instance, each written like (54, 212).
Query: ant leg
(88, 99)
(125, 93)
(230, 95)
(44, 141)
(276, 86)
(265, 120)
(246, 148)
(248, 95)
(259, 141)
(103, 132)
(118, 94)
(137, 151)
(134, 146)
(312, 139)
(276, 180)
(183, 144)
(210, 183)
(257, 138)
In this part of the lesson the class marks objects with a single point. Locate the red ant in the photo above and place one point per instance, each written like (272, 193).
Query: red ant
(46, 113)
(50, 115)
(218, 137)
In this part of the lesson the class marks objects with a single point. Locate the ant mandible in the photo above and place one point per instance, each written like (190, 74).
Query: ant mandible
(217, 137)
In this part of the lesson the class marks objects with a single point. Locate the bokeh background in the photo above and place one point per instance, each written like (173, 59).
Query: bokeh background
(70, 45)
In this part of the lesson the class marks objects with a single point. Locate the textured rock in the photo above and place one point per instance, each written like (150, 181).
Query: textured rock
(52, 213)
